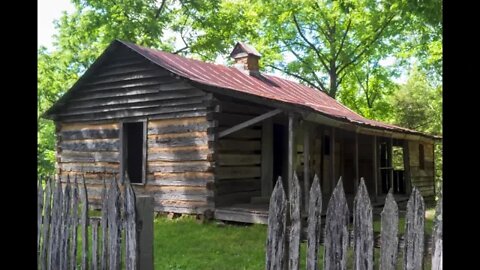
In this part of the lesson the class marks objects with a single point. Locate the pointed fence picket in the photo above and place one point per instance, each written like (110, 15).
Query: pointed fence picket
(336, 232)
(63, 209)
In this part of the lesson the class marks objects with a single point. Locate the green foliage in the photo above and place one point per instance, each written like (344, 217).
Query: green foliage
(54, 75)
(418, 104)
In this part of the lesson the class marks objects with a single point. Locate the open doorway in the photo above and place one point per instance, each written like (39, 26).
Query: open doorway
(133, 152)
(279, 151)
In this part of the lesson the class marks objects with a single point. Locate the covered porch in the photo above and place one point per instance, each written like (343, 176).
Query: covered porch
(309, 144)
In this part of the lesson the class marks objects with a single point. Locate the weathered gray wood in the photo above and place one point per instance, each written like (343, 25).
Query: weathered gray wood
(336, 233)
(144, 216)
(237, 197)
(133, 95)
(100, 88)
(89, 134)
(39, 214)
(126, 77)
(238, 146)
(235, 185)
(192, 127)
(141, 111)
(130, 228)
(65, 229)
(414, 232)
(238, 159)
(95, 146)
(84, 223)
(94, 224)
(82, 168)
(290, 152)
(241, 107)
(247, 133)
(388, 233)
(76, 156)
(362, 229)
(75, 218)
(108, 72)
(295, 224)
(249, 122)
(46, 223)
(314, 224)
(229, 119)
(277, 217)
(375, 167)
(238, 172)
(180, 155)
(113, 225)
(136, 103)
(177, 141)
(54, 244)
(437, 237)
(95, 119)
(267, 157)
(104, 224)
(192, 166)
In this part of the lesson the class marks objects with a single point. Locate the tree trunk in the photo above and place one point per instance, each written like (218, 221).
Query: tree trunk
(333, 81)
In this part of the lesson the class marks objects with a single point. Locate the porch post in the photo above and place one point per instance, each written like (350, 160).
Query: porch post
(332, 162)
(290, 152)
(306, 164)
(357, 177)
(375, 169)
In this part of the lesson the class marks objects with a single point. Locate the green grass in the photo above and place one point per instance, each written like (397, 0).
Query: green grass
(184, 244)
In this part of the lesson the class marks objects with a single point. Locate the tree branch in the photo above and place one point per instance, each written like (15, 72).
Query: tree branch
(367, 46)
(159, 10)
(299, 77)
(305, 64)
(312, 46)
(343, 39)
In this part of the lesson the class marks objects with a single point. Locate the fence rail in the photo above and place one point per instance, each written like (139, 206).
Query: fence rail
(283, 237)
(63, 207)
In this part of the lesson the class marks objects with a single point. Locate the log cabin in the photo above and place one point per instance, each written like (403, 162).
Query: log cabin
(203, 138)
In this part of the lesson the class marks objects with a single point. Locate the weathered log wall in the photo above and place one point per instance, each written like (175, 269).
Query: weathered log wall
(179, 137)
(238, 155)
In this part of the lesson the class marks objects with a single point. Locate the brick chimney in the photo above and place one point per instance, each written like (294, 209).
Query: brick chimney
(246, 58)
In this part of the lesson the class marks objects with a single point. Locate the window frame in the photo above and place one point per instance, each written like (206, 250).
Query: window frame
(123, 145)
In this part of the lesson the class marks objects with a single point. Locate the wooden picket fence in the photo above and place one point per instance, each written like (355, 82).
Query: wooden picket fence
(63, 209)
(284, 229)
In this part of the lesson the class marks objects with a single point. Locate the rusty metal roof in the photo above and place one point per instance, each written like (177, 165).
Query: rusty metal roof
(268, 86)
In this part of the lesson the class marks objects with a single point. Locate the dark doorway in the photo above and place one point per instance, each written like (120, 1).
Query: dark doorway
(279, 151)
(133, 151)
